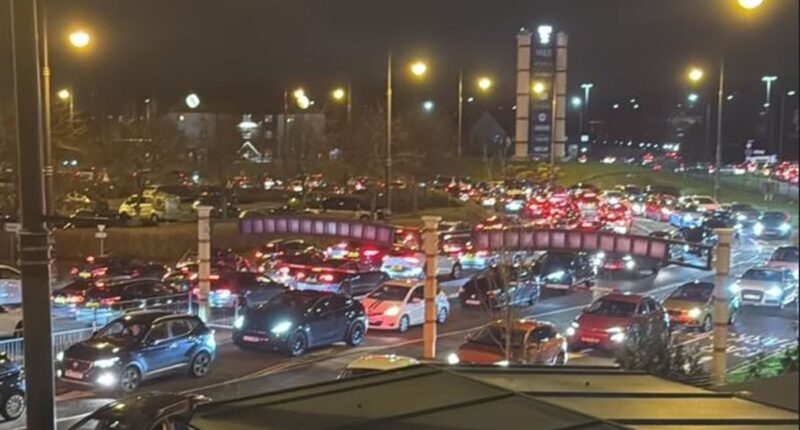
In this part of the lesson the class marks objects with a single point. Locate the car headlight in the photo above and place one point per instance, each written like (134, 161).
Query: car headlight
(614, 330)
(785, 227)
(694, 313)
(490, 202)
(758, 228)
(106, 362)
(238, 322)
(453, 358)
(570, 331)
(735, 288)
(501, 363)
(630, 264)
(617, 337)
(557, 275)
(281, 327)
(741, 217)
(60, 356)
(106, 379)
(775, 291)
(392, 311)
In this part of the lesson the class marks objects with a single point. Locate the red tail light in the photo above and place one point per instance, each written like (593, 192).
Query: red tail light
(300, 275)
(90, 259)
(74, 271)
(184, 270)
(213, 277)
(283, 270)
(110, 300)
(326, 277)
(99, 272)
(370, 252)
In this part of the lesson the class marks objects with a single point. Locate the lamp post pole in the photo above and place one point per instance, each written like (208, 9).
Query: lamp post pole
(720, 98)
(460, 112)
(48, 145)
(389, 134)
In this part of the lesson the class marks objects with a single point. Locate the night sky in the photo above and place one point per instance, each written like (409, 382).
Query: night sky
(240, 55)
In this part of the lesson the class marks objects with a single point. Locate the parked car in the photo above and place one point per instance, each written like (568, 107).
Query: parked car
(144, 208)
(692, 305)
(12, 389)
(767, 286)
(372, 364)
(398, 305)
(565, 270)
(341, 277)
(295, 321)
(532, 342)
(785, 257)
(10, 286)
(607, 323)
(347, 206)
(137, 347)
(145, 411)
(488, 291)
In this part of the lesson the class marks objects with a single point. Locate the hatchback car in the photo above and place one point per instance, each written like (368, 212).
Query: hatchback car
(137, 347)
(295, 321)
(565, 270)
(606, 323)
(341, 277)
(397, 305)
(532, 342)
(692, 305)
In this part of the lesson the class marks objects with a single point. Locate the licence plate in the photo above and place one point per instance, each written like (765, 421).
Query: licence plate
(590, 340)
(85, 275)
(472, 302)
(751, 297)
(253, 339)
(73, 374)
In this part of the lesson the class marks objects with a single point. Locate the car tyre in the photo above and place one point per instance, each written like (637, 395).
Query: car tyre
(201, 365)
(129, 380)
(13, 405)
(707, 325)
(404, 323)
(356, 335)
(457, 272)
(441, 316)
(561, 359)
(298, 344)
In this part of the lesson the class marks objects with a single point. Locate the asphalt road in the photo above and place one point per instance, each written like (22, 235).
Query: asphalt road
(240, 373)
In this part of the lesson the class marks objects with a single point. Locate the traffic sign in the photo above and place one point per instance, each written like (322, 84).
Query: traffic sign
(12, 227)
(101, 235)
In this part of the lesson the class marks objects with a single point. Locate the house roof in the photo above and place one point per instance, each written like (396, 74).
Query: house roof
(476, 398)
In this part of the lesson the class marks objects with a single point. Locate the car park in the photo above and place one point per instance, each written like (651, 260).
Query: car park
(692, 305)
(608, 322)
(296, 321)
(767, 286)
(532, 342)
(398, 305)
(137, 347)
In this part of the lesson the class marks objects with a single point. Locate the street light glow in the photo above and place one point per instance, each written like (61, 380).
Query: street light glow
(693, 97)
(428, 106)
(696, 74)
(615, 106)
(419, 69)
(299, 93)
(750, 4)
(791, 93)
(538, 88)
(192, 101)
(587, 86)
(79, 39)
(64, 94)
(485, 83)
(769, 78)
(339, 94)
(576, 102)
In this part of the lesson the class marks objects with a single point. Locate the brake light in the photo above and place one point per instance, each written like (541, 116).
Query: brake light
(223, 292)
(283, 270)
(184, 269)
(75, 299)
(110, 300)
(300, 275)
(90, 259)
(259, 254)
(326, 277)
(74, 271)
(371, 252)
(213, 277)
(99, 272)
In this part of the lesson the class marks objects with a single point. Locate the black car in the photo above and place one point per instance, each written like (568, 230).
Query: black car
(744, 214)
(488, 291)
(298, 320)
(12, 389)
(698, 238)
(231, 289)
(720, 219)
(131, 294)
(147, 411)
(565, 270)
(113, 266)
(278, 248)
(773, 225)
(136, 347)
(348, 278)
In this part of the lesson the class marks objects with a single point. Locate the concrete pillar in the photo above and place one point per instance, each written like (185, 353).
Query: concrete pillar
(523, 112)
(560, 110)
(204, 260)
(430, 245)
(722, 264)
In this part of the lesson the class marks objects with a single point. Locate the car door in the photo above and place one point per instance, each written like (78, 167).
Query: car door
(415, 305)
(181, 342)
(340, 322)
(157, 351)
(322, 322)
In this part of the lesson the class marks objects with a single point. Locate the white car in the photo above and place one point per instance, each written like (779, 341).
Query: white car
(397, 305)
(766, 286)
(10, 321)
(785, 257)
(411, 265)
(10, 286)
(704, 203)
(371, 364)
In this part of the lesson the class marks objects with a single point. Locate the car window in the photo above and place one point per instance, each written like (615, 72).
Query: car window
(322, 306)
(338, 303)
(160, 331)
(181, 327)
(418, 293)
(8, 274)
(644, 308)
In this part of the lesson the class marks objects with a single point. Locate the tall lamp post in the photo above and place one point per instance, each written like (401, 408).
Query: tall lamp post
(587, 89)
(781, 131)
(768, 82)
(484, 84)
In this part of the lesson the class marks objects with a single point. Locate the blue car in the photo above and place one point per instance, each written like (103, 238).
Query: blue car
(136, 347)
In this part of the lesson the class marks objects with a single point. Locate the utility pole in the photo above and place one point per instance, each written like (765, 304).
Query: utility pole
(721, 306)
(34, 238)
(349, 102)
(460, 111)
(389, 134)
(430, 245)
(720, 101)
(47, 103)
(204, 260)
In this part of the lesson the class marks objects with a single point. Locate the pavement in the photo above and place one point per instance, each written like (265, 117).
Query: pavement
(240, 373)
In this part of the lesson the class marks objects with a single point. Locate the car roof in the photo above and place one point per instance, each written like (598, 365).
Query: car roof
(622, 297)
(147, 317)
(766, 269)
(382, 362)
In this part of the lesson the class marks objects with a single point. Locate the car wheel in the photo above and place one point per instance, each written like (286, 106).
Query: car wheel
(201, 364)
(456, 273)
(441, 317)
(356, 335)
(561, 358)
(708, 324)
(13, 405)
(402, 327)
(298, 344)
(130, 379)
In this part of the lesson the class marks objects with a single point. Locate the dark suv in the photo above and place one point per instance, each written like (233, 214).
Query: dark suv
(488, 291)
(295, 321)
(139, 346)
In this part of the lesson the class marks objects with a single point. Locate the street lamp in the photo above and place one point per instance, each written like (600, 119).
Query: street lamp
(768, 80)
(192, 101)
(790, 93)
(339, 94)
(693, 98)
(576, 102)
(64, 94)
(485, 84)
(419, 69)
(750, 4)
(428, 106)
(538, 88)
(79, 39)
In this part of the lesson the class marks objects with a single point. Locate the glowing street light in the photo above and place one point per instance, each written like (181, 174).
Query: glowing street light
(339, 94)
(299, 93)
(538, 88)
(576, 102)
(485, 84)
(192, 101)
(693, 98)
(419, 69)
(750, 4)
(428, 106)
(64, 94)
(695, 74)
(79, 39)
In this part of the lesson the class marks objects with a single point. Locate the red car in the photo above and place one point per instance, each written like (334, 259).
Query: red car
(607, 323)
(532, 342)
(616, 217)
(660, 207)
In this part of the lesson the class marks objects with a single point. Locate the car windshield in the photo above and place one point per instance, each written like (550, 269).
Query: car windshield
(495, 336)
(773, 217)
(763, 275)
(392, 293)
(612, 308)
(698, 292)
(788, 255)
(123, 330)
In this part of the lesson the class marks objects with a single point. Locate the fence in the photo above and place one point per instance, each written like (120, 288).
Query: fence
(75, 324)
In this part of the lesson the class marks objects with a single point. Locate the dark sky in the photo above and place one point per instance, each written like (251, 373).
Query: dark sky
(240, 54)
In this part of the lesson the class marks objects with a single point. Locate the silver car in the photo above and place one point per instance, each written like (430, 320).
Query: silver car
(767, 286)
